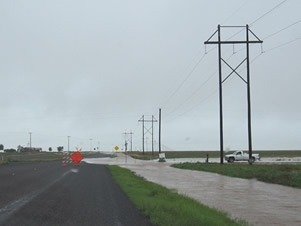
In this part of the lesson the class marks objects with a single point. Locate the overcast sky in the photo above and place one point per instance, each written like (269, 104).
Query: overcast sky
(90, 70)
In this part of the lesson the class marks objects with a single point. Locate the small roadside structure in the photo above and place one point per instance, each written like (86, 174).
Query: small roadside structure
(29, 149)
(11, 150)
(162, 157)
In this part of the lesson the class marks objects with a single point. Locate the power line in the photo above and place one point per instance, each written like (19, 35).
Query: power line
(277, 32)
(214, 92)
(284, 44)
(186, 78)
(283, 29)
(253, 60)
(268, 12)
(195, 106)
(195, 91)
(259, 18)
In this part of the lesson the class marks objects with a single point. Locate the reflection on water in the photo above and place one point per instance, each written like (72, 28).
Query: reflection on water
(257, 202)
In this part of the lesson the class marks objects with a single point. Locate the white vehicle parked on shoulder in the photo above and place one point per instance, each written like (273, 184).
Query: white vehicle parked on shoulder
(241, 156)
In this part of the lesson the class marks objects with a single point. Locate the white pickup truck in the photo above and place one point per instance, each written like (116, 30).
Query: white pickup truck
(241, 156)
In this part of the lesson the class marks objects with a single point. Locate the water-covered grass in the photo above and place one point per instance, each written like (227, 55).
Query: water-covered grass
(145, 156)
(211, 154)
(164, 206)
(284, 174)
(284, 153)
(191, 154)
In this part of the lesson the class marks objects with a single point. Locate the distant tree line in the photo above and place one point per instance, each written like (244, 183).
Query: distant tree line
(6, 150)
(27, 149)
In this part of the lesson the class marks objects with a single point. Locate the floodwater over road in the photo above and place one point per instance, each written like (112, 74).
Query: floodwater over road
(257, 202)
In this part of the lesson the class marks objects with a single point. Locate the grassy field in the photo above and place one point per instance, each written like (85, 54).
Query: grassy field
(145, 156)
(191, 154)
(34, 156)
(289, 175)
(279, 153)
(211, 154)
(3, 162)
(166, 207)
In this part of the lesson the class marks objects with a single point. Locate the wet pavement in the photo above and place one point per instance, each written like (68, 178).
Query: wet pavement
(275, 160)
(257, 202)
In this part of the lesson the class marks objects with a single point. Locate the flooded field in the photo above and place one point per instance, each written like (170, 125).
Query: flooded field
(256, 202)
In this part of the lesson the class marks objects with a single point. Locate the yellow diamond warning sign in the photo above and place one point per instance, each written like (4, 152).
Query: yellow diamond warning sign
(116, 148)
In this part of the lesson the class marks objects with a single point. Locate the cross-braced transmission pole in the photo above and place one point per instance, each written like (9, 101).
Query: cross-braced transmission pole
(130, 140)
(147, 131)
(219, 42)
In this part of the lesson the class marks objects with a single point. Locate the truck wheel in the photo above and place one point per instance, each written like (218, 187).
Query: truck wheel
(231, 160)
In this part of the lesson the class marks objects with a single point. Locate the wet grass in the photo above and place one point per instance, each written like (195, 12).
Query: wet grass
(284, 174)
(272, 154)
(211, 154)
(3, 162)
(191, 154)
(164, 206)
(145, 156)
(35, 156)
(36, 160)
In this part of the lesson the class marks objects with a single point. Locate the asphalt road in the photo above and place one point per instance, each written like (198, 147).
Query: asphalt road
(45, 193)
(42, 155)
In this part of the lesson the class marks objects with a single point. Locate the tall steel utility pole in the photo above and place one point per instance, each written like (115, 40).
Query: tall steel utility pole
(219, 42)
(159, 130)
(90, 145)
(125, 146)
(152, 135)
(142, 120)
(131, 141)
(68, 143)
(30, 141)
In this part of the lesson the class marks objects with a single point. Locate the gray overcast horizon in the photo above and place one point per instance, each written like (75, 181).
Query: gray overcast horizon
(91, 69)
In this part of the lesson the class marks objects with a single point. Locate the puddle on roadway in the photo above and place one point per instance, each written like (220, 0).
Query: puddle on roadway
(256, 202)
(74, 170)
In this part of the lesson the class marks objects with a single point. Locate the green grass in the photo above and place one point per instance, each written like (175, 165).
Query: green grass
(164, 206)
(35, 156)
(284, 174)
(2, 162)
(279, 153)
(34, 160)
(145, 156)
(191, 154)
(39, 159)
(211, 154)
